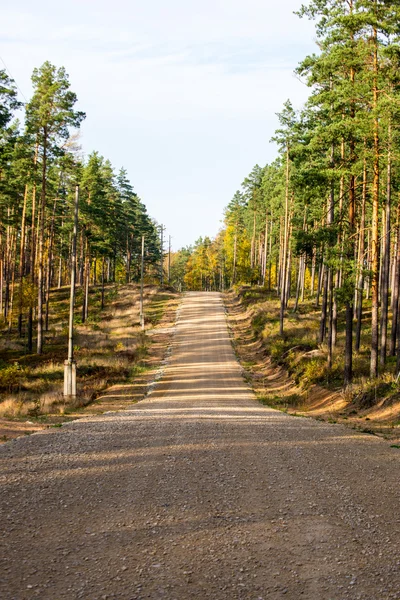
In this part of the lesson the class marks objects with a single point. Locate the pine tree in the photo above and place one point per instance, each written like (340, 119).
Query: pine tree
(49, 116)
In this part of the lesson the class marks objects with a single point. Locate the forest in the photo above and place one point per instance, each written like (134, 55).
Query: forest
(42, 166)
(318, 229)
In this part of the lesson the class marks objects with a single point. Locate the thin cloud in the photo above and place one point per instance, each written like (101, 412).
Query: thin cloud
(183, 94)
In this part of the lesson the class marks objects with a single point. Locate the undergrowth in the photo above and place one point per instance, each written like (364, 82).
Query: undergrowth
(298, 350)
(109, 348)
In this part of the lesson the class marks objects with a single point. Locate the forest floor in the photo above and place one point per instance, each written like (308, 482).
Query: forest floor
(115, 361)
(199, 492)
(290, 373)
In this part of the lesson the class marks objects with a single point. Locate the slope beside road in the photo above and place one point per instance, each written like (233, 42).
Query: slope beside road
(200, 492)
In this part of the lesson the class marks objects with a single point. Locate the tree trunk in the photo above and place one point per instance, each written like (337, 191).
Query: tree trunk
(284, 269)
(41, 247)
(320, 280)
(313, 262)
(375, 225)
(395, 290)
(348, 359)
(86, 277)
(50, 264)
(361, 251)
(128, 259)
(324, 307)
(264, 266)
(13, 267)
(386, 257)
(234, 257)
(102, 282)
(22, 263)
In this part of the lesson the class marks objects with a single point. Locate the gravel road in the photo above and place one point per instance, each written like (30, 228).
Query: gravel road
(200, 492)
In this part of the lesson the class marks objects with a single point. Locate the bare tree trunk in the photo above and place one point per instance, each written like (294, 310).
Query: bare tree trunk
(253, 243)
(22, 263)
(60, 265)
(330, 313)
(393, 271)
(338, 276)
(386, 257)
(288, 277)
(86, 277)
(313, 261)
(375, 224)
(82, 257)
(13, 267)
(303, 279)
(264, 267)
(327, 298)
(361, 251)
(32, 264)
(300, 282)
(1, 275)
(284, 270)
(50, 264)
(350, 251)
(7, 263)
(102, 282)
(128, 259)
(368, 279)
(395, 290)
(348, 358)
(41, 246)
(320, 280)
(324, 306)
(270, 254)
(234, 257)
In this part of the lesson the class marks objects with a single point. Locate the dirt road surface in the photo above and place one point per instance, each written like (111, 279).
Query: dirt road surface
(200, 492)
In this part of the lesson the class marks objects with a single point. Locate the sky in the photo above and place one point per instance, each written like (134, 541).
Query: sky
(183, 94)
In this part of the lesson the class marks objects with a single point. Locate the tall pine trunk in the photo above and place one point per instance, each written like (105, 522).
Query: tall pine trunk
(22, 263)
(360, 269)
(50, 264)
(375, 223)
(41, 232)
(386, 257)
(395, 289)
(284, 268)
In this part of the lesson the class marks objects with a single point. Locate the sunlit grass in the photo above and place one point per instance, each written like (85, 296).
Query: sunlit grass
(109, 348)
(300, 354)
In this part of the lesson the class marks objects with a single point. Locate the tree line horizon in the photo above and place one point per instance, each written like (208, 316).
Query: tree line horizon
(320, 223)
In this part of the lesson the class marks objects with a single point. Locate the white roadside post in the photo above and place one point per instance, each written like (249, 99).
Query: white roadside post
(162, 255)
(169, 260)
(141, 286)
(70, 364)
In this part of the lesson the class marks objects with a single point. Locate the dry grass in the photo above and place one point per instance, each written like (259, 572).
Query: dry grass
(290, 372)
(109, 348)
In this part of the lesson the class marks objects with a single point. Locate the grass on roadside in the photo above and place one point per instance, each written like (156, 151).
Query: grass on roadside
(297, 354)
(109, 348)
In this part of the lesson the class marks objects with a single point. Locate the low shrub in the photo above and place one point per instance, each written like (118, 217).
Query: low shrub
(276, 401)
(314, 371)
(369, 393)
(11, 377)
(259, 321)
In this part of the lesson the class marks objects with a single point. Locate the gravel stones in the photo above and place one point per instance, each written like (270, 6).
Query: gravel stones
(200, 492)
